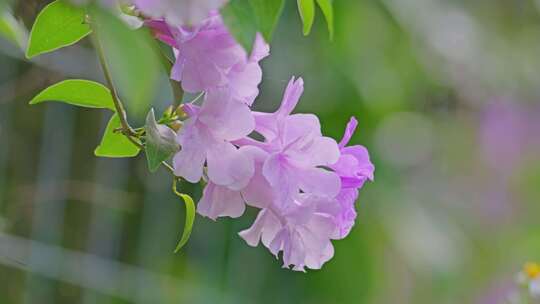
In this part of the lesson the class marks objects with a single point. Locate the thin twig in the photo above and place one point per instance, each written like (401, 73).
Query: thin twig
(169, 167)
(127, 130)
(197, 98)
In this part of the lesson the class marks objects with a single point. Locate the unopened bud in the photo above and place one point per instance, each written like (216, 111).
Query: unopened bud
(130, 10)
(180, 111)
(175, 125)
(168, 112)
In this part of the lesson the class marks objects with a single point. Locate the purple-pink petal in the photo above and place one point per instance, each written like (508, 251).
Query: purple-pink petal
(349, 131)
(218, 201)
(319, 181)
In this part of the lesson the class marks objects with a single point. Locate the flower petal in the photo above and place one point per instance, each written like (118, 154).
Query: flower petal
(188, 163)
(280, 176)
(218, 201)
(244, 80)
(265, 227)
(260, 50)
(227, 119)
(365, 167)
(349, 131)
(199, 76)
(319, 181)
(305, 126)
(294, 90)
(228, 167)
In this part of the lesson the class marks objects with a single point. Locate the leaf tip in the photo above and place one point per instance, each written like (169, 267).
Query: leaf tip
(37, 99)
(29, 54)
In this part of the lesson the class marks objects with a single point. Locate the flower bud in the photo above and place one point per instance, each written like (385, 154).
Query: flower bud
(175, 125)
(168, 112)
(180, 111)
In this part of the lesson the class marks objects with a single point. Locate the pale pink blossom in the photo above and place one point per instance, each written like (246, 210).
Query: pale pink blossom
(206, 137)
(301, 231)
(208, 57)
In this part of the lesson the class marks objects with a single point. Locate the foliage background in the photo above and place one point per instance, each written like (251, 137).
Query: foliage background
(446, 93)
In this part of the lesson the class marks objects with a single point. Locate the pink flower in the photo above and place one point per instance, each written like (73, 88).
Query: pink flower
(302, 231)
(305, 184)
(179, 12)
(208, 56)
(297, 150)
(206, 137)
(218, 201)
(354, 169)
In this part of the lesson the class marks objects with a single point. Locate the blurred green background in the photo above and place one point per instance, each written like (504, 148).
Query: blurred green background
(446, 93)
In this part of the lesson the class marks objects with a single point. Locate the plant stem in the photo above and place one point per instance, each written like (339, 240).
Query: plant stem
(169, 167)
(126, 128)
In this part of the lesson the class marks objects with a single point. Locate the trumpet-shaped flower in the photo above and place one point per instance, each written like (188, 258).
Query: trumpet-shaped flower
(302, 231)
(206, 137)
(297, 150)
(208, 56)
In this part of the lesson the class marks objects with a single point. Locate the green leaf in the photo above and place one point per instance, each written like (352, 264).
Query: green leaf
(190, 217)
(267, 13)
(115, 144)
(328, 12)
(58, 25)
(240, 21)
(13, 30)
(78, 92)
(306, 8)
(133, 63)
(244, 18)
(160, 142)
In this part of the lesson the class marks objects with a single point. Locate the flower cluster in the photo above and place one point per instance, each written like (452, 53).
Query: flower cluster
(304, 183)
